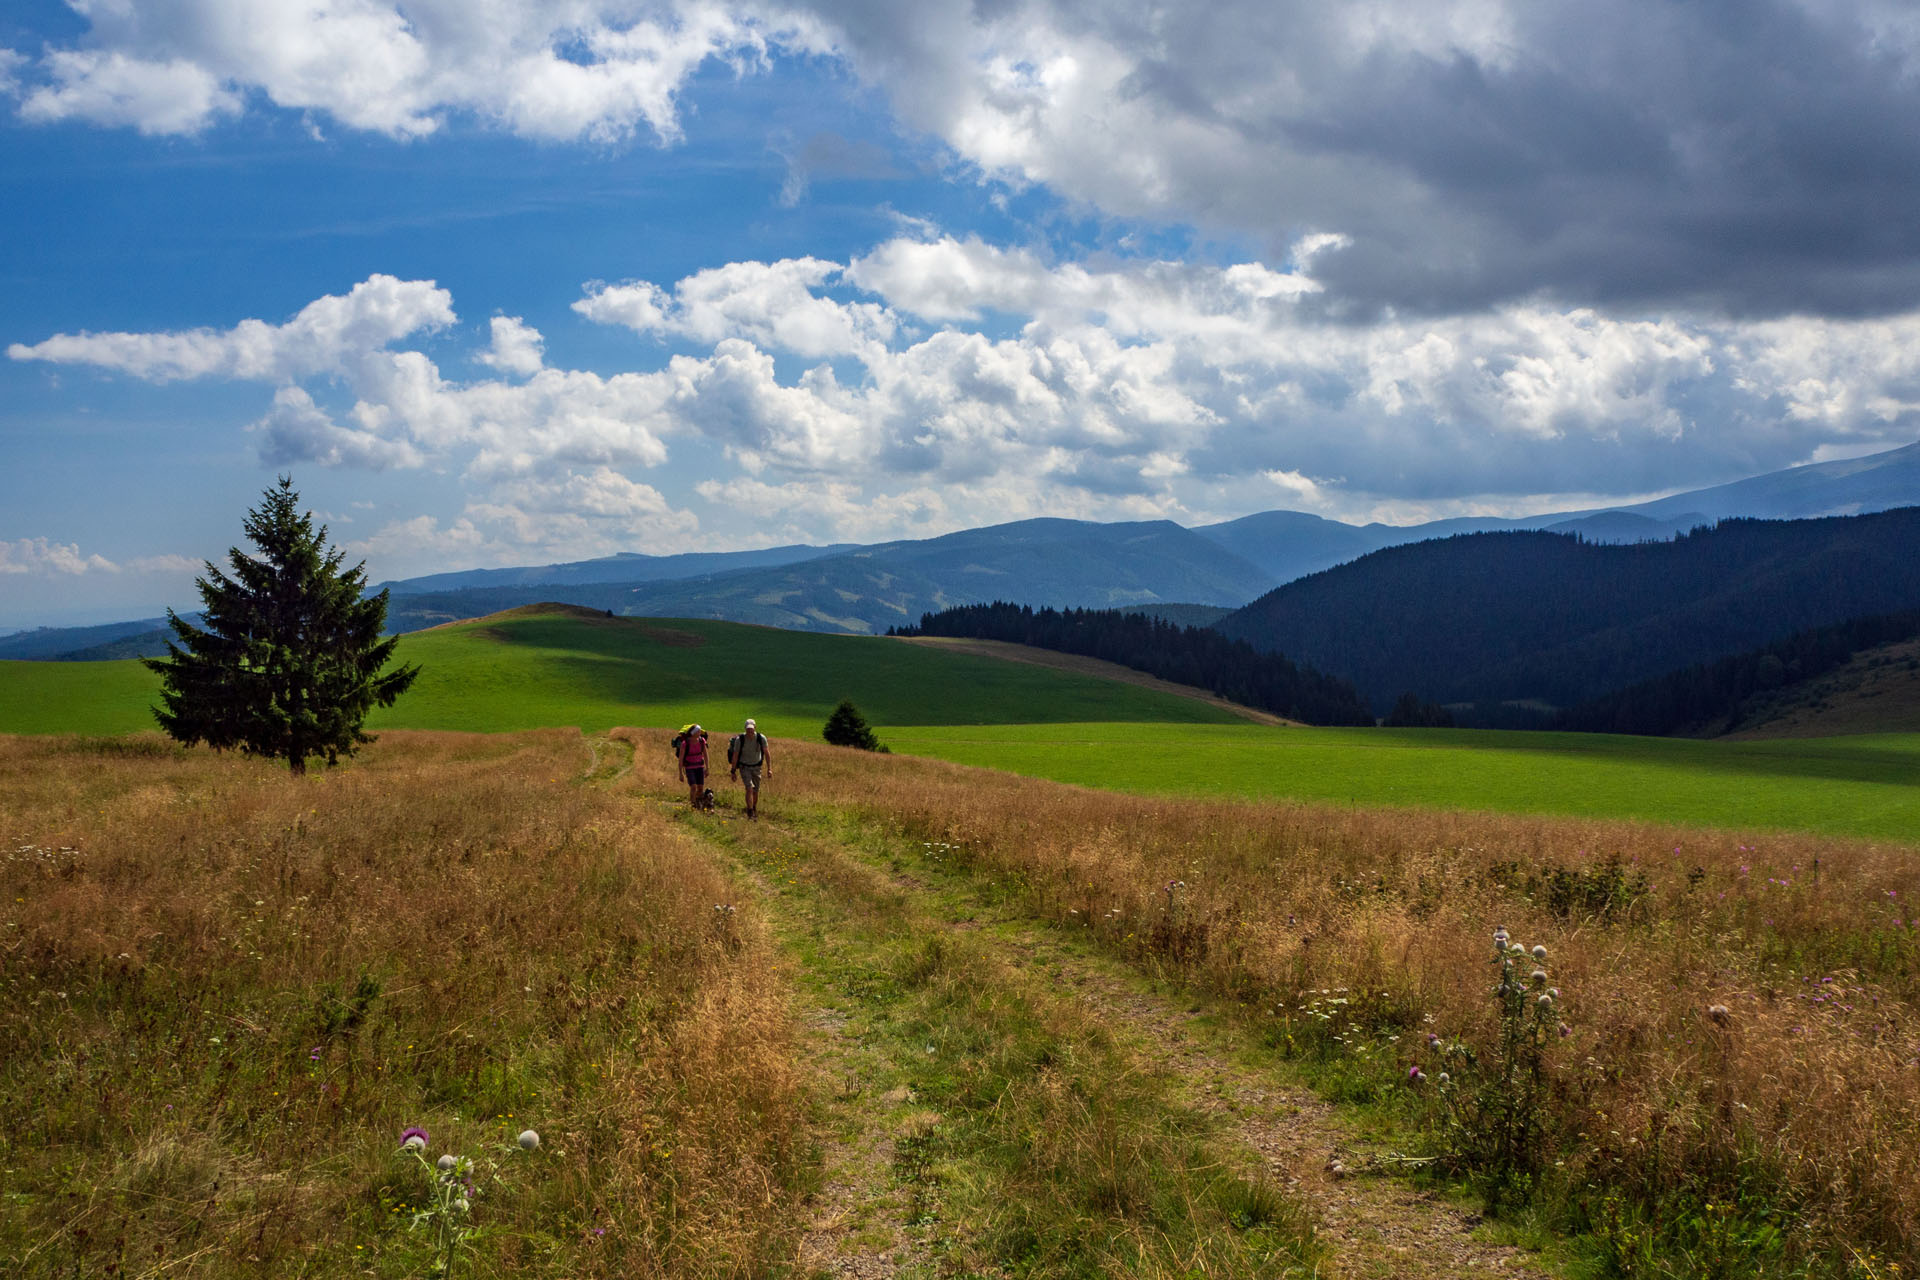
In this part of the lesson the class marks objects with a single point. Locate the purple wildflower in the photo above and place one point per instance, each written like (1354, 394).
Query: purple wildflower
(415, 1139)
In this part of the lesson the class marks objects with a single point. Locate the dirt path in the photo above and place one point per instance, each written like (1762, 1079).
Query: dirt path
(1374, 1222)
(1370, 1221)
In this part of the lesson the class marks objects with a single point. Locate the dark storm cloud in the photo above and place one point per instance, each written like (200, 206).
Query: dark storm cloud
(1753, 158)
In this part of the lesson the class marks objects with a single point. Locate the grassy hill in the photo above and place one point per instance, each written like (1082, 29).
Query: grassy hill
(1877, 691)
(547, 665)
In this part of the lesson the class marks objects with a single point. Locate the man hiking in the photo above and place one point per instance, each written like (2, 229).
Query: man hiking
(690, 749)
(747, 757)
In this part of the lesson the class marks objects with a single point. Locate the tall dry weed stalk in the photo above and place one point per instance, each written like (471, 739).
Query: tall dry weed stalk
(228, 992)
(1741, 1009)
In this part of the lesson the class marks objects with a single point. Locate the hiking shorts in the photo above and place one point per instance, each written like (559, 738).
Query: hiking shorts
(749, 775)
(696, 775)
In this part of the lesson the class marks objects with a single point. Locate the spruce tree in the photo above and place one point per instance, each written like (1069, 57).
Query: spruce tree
(846, 727)
(289, 662)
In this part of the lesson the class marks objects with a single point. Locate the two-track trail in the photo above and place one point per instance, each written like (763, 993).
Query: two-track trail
(998, 1097)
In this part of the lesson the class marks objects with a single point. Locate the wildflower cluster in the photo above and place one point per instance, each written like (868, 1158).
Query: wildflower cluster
(54, 859)
(1494, 1120)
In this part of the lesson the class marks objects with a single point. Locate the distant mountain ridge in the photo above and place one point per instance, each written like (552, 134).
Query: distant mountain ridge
(865, 591)
(1048, 562)
(626, 566)
(1292, 544)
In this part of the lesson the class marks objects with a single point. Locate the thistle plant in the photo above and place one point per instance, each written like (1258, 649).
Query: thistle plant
(448, 1212)
(1494, 1118)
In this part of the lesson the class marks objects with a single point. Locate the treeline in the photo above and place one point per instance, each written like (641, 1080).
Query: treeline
(1543, 619)
(1185, 655)
(1711, 693)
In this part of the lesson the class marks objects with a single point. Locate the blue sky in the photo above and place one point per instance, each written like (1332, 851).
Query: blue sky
(507, 283)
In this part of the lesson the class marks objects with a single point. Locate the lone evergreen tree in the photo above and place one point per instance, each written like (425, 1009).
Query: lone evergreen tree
(290, 660)
(846, 727)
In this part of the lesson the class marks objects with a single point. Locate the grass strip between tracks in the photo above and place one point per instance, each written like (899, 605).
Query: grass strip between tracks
(1026, 1140)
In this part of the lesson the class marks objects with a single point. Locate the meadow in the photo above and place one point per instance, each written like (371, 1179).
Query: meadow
(1726, 1071)
(556, 666)
(1866, 785)
(229, 994)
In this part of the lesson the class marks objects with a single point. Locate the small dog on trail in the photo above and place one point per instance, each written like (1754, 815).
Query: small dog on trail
(706, 799)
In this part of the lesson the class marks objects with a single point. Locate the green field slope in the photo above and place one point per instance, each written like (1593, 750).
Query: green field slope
(546, 667)
(1861, 786)
(557, 665)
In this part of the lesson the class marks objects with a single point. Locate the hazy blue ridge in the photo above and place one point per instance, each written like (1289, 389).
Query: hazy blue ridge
(626, 567)
(54, 643)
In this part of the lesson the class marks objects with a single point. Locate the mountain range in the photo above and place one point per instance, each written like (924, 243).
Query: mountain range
(1075, 563)
(1058, 562)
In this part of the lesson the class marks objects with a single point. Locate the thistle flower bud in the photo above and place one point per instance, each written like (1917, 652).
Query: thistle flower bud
(414, 1139)
(1540, 954)
(1538, 977)
(1415, 1075)
(529, 1140)
(1544, 1000)
(1517, 949)
(446, 1164)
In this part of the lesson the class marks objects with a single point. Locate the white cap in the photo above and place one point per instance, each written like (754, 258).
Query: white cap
(749, 722)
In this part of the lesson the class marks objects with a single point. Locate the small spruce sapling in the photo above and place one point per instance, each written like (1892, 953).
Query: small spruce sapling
(846, 727)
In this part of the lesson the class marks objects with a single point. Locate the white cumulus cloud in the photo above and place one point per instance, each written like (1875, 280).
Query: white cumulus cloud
(555, 69)
(323, 337)
(517, 347)
(42, 557)
(770, 304)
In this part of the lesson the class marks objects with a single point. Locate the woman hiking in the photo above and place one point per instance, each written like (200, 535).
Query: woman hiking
(691, 750)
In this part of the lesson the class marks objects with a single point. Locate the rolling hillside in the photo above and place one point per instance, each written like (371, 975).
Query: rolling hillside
(1877, 691)
(560, 665)
(1551, 620)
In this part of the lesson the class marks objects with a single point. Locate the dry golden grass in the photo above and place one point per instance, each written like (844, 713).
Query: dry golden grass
(1806, 1093)
(227, 992)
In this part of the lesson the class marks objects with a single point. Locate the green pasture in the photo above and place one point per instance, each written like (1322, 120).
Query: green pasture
(1858, 786)
(543, 669)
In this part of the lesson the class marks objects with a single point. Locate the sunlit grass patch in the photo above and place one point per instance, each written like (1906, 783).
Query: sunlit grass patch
(1866, 786)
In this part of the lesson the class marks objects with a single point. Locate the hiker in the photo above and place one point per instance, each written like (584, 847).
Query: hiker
(746, 758)
(690, 748)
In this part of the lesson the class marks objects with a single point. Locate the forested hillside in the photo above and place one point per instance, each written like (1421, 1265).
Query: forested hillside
(1714, 697)
(1553, 620)
(1186, 655)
